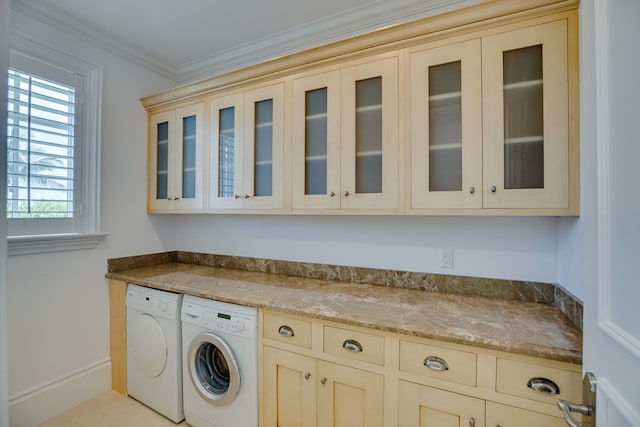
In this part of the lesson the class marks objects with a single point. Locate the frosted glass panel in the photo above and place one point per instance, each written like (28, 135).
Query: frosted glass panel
(523, 118)
(162, 161)
(316, 142)
(369, 135)
(189, 157)
(226, 155)
(445, 127)
(263, 148)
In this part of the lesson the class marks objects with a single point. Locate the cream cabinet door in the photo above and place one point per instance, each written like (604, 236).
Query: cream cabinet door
(349, 397)
(446, 127)
(508, 416)
(263, 147)
(422, 406)
(226, 190)
(290, 384)
(316, 142)
(526, 115)
(369, 135)
(176, 166)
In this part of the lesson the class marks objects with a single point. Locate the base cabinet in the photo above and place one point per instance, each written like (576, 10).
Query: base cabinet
(507, 416)
(300, 391)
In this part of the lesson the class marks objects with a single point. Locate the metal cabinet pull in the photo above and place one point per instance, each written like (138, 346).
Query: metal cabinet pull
(472, 190)
(472, 422)
(307, 376)
(436, 363)
(246, 196)
(332, 194)
(352, 345)
(236, 196)
(323, 381)
(346, 194)
(493, 189)
(286, 331)
(543, 385)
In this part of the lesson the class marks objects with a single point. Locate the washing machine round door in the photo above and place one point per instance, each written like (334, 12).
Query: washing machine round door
(149, 345)
(213, 369)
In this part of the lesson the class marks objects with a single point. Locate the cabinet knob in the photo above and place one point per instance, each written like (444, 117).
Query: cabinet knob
(332, 194)
(436, 363)
(472, 190)
(236, 196)
(346, 194)
(286, 331)
(169, 198)
(472, 422)
(176, 198)
(307, 376)
(493, 189)
(323, 381)
(246, 196)
(352, 345)
(543, 385)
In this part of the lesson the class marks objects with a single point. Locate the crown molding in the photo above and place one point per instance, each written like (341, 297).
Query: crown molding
(82, 31)
(336, 27)
(332, 28)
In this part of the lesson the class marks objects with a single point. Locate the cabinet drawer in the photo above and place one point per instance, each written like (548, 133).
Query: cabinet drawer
(354, 345)
(287, 329)
(438, 362)
(522, 379)
(508, 416)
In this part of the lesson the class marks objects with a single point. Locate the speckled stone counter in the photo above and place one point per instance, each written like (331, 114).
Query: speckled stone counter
(511, 325)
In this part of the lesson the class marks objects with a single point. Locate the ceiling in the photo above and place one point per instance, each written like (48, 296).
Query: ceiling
(186, 40)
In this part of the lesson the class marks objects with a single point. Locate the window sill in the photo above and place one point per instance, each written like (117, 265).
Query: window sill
(26, 245)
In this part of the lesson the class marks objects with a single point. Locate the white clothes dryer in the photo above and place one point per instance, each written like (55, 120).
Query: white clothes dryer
(154, 350)
(220, 363)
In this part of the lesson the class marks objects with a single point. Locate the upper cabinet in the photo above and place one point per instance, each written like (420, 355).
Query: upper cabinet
(471, 112)
(490, 123)
(176, 174)
(246, 149)
(345, 138)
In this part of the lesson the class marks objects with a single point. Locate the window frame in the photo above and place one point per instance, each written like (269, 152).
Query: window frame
(86, 232)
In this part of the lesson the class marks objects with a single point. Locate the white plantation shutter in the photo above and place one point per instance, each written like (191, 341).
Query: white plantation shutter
(40, 147)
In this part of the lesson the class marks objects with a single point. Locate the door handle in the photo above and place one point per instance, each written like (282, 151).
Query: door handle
(587, 409)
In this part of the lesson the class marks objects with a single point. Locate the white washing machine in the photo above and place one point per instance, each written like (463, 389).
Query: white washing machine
(154, 350)
(220, 363)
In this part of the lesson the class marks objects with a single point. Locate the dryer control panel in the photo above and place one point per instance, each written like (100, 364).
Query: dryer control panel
(222, 317)
(160, 304)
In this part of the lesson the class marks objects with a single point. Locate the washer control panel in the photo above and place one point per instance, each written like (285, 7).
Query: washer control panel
(222, 317)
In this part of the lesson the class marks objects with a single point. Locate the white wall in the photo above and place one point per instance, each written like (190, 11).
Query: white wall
(58, 303)
(507, 248)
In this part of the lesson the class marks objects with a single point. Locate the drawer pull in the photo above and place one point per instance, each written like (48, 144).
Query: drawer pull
(352, 345)
(435, 363)
(285, 331)
(543, 385)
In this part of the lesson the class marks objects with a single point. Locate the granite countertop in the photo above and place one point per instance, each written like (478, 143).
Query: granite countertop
(521, 327)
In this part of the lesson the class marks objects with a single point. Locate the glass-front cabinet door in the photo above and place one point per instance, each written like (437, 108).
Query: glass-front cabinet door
(526, 134)
(446, 127)
(263, 147)
(226, 190)
(176, 175)
(316, 142)
(369, 135)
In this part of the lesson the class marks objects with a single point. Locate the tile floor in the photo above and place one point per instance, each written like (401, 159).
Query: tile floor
(111, 409)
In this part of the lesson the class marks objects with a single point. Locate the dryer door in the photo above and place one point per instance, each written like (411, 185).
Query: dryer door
(213, 369)
(147, 345)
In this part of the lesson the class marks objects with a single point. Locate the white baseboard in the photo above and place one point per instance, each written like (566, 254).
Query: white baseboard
(37, 404)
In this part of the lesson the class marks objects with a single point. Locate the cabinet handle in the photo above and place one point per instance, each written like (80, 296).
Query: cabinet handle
(543, 385)
(246, 196)
(332, 194)
(352, 345)
(169, 198)
(286, 331)
(346, 194)
(436, 363)
(472, 422)
(176, 198)
(493, 189)
(307, 376)
(472, 190)
(323, 381)
(236, 196)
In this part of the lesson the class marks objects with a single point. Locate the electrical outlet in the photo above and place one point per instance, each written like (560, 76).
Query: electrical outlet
(446, 258)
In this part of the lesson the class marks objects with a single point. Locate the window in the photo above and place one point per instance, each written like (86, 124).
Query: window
(53, 140)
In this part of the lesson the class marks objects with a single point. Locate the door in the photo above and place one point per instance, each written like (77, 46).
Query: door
(610, 113)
